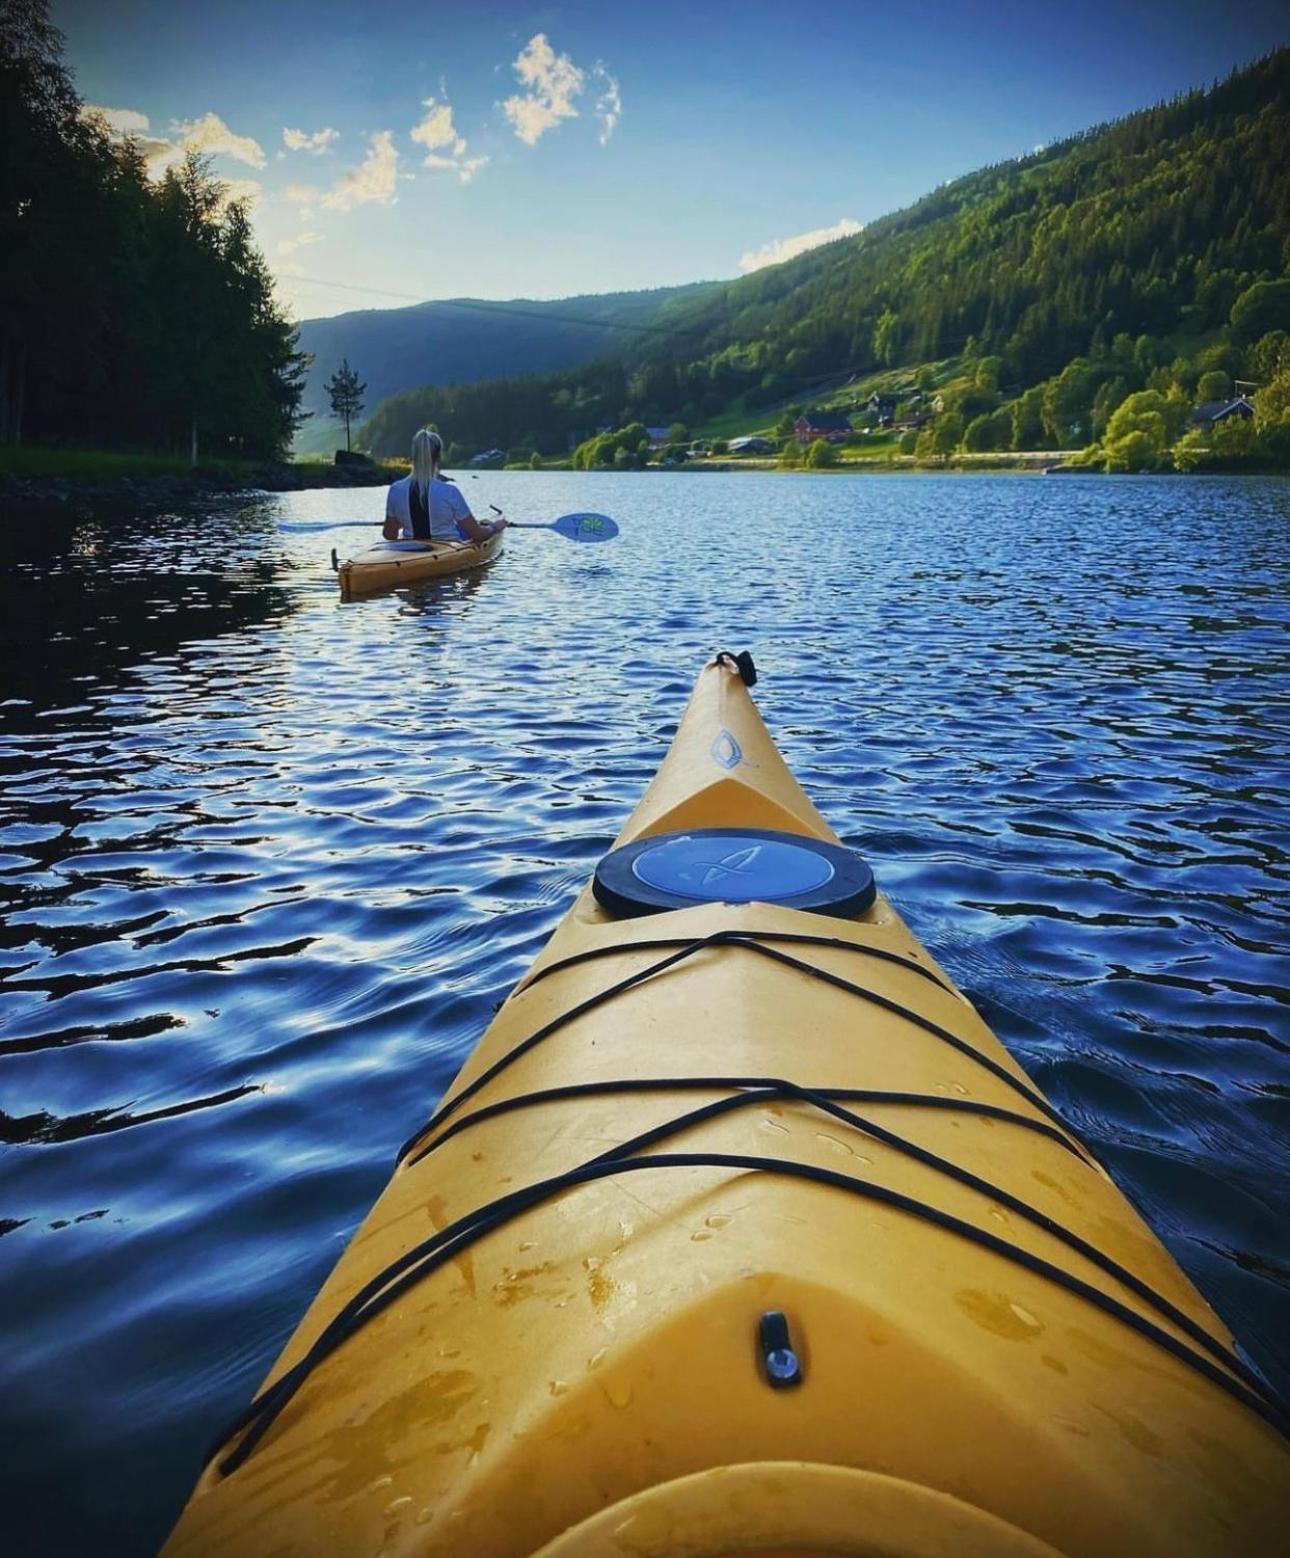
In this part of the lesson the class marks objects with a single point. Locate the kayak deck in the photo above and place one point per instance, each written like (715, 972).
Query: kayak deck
(549, 1329)
(389, 564)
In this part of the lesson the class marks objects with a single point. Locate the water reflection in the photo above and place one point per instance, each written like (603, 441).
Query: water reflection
(268, 863)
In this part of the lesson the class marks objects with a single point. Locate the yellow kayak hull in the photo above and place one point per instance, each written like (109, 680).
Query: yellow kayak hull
(383, 567)
(584, 1377)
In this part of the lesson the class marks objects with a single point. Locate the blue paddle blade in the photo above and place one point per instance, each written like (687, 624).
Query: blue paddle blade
(586, 527)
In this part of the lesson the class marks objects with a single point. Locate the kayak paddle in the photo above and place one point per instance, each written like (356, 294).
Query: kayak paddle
(573, 527)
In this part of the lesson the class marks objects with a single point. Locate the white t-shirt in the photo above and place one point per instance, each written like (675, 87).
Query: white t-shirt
(446, 506)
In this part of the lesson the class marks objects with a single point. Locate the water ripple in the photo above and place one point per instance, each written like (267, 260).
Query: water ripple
(268, 864)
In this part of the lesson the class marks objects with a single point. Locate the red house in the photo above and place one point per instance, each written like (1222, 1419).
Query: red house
(822, 424)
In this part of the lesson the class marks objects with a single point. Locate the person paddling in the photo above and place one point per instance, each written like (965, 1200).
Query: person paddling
(425, 506)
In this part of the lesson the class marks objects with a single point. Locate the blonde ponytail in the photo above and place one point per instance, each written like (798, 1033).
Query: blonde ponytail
(427, 452)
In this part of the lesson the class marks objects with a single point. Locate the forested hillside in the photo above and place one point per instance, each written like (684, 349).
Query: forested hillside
(131, 312)
(461, 339)
(1116, 262)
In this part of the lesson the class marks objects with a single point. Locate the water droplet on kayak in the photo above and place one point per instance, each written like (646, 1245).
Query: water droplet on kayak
(558, 1387)
(382, 1482)
(717, 1220)
(1134, 1430)
(529, 1244)
(996, 1313)
(395, 1505)
(698, 1238)
(425, 1516)
(618, 1393)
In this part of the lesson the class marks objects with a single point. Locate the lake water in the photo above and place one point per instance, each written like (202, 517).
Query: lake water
(268, 863)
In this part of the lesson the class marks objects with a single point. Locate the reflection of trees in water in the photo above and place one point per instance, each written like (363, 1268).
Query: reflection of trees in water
(25, 1130)
(93, 595)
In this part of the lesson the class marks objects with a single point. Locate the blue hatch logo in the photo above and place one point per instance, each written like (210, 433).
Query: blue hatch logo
(726, 750)
(740, 862)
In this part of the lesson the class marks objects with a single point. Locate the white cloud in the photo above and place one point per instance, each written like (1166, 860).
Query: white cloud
(464, 167)
(120, 121)
(609, 105)
(553, 81)
(445, 148)
(315, 144)
(302, 194)
(781, 249)
(208, 135)
(158, 153)
(300, 241)
(436, 130)
(375, 179)
(211, 136)
(248, 191)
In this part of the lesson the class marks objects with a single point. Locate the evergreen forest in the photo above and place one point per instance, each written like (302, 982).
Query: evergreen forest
(133, 313)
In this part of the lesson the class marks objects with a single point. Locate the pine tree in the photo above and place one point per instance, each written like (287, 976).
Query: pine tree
(346, 394)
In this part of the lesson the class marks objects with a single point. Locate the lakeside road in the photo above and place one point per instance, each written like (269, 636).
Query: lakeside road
(1002, 460)
(149, 491)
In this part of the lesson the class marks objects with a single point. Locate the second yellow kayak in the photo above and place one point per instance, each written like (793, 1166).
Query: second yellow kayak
(740, 1232)
(391, 563)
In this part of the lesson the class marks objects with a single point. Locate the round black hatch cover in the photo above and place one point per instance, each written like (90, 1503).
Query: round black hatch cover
(733, 865)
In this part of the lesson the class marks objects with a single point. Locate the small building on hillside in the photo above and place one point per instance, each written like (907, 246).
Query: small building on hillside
(658, 437)
(912, 422)
(751, 445)
(1211, 411)
(832, 425)
(488, 457)
(879, 410)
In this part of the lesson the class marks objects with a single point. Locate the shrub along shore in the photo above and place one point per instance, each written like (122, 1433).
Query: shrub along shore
(56, 478)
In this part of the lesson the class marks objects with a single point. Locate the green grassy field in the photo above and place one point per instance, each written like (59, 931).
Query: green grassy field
(847, 395)
(105, 464)
(319, 437)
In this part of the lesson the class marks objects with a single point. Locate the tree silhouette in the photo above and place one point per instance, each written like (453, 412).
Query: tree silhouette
(346, 394)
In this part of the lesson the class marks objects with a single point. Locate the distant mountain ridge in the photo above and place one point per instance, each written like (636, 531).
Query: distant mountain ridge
(1150, 253)
(457, 340)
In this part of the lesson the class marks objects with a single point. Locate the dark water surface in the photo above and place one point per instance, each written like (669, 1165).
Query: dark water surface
(268, 862)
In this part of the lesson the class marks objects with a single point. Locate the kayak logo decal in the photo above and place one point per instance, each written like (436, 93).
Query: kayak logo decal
(726, 750)
(590, 524)
(737, 863)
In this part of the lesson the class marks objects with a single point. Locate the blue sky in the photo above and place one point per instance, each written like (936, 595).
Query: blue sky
(398, 152)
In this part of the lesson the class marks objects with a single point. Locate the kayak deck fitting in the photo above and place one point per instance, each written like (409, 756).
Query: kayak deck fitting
(390, 563)
(739, 1231)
